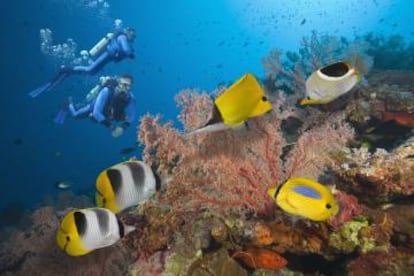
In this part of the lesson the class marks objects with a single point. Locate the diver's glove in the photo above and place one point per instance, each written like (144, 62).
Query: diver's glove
(117, 131)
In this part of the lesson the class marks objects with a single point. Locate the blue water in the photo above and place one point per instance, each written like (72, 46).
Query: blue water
(180, 44)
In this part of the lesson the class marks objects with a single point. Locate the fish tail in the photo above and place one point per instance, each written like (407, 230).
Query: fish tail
(271, 192)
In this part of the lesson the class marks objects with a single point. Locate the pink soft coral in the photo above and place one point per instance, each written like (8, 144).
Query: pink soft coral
(234, 169)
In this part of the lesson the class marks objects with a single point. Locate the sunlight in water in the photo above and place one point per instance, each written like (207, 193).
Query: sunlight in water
(269, 19)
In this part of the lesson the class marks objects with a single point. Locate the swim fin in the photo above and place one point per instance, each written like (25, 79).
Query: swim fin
(63, 73)
(61, 117)
(40, 90)
(63, 113)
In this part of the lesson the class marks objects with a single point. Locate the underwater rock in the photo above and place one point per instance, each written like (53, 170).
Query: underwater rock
(383, 262)
(152, 265)
(403, 217)
(214, 263)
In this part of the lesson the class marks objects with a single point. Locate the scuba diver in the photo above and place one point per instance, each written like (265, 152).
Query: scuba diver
(113, 47)
(110, 103)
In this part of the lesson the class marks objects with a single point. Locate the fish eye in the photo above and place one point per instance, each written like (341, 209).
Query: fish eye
(328, 206)
(264, 98)
(67, 238)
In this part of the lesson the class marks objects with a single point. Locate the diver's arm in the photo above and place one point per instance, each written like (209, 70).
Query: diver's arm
(99, 106)
(125, 46)
(81, 111)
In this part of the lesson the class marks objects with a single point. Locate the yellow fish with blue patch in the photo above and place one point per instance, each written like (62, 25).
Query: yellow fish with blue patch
(305, 198)
(84, 230)
(242, 101)
(330, 82)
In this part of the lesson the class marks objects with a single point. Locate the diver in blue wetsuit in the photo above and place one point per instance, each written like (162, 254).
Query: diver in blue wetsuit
(113, 106)
(113, 47)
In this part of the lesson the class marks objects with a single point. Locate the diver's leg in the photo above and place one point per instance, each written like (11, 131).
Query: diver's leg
(94, 67)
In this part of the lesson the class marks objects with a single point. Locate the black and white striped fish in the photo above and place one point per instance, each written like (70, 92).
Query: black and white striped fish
(84, 230)
(126, 184)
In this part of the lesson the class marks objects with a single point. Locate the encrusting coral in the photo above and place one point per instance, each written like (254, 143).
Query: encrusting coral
(378, 177)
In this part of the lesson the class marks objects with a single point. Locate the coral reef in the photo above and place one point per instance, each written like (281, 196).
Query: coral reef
(214, 217)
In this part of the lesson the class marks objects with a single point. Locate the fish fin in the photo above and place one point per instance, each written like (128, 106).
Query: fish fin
(310, 101)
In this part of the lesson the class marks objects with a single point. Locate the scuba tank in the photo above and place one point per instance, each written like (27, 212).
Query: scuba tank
(101, 44)
(95, 90)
